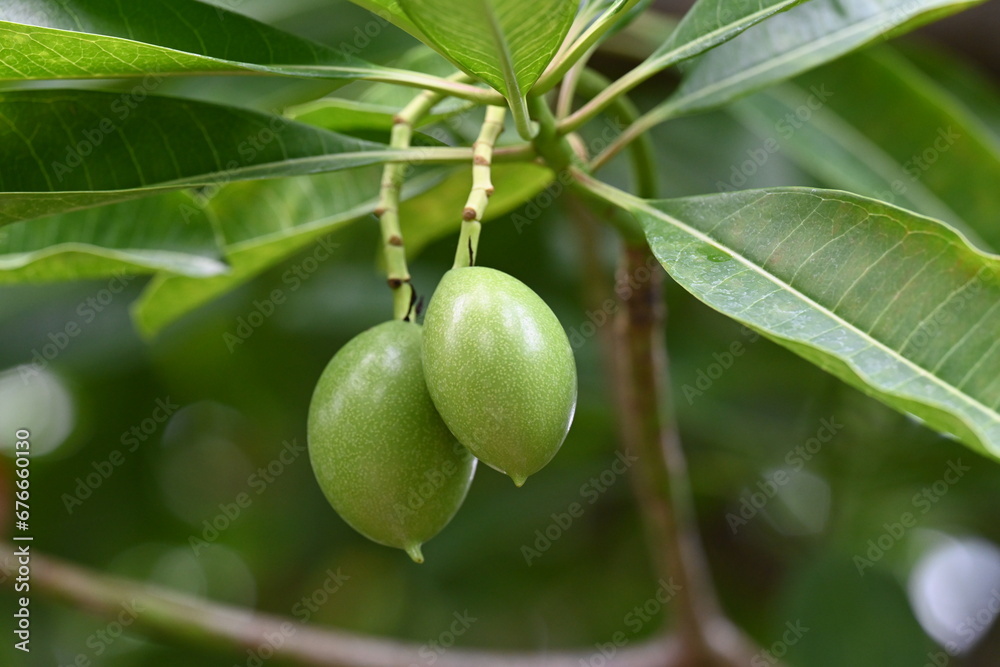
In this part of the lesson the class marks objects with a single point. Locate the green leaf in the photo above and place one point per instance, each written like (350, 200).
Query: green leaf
(968, 84)
(438, 212)
(69, 149)
(842, 123)
(506, 43)
(893, 303)
(351, 116)
(793, 42)
(112, 39)
(262, 223)
(389, 10)
(141, 236)
(107, 38)
(709, 23)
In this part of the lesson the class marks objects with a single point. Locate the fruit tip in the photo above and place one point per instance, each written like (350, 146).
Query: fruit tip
(415, 554)
(519, 480)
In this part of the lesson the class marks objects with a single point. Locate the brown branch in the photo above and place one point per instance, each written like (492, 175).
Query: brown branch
(181, 617)
(648, 430)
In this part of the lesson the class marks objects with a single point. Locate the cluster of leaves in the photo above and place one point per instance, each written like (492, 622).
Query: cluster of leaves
(205, 195)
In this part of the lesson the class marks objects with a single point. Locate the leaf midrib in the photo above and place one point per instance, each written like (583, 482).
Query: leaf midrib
(774, 63)
(920, 370)
(707, 37)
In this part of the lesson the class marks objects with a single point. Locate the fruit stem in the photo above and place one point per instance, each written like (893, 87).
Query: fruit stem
(482, 187)
(387, 209)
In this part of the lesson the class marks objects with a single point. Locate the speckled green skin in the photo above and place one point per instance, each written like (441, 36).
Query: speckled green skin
(381, 454)
(500, 369)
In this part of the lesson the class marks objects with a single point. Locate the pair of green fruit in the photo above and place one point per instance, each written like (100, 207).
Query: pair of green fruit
(402, 412)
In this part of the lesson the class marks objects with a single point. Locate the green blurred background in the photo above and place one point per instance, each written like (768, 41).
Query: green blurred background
(792, 561)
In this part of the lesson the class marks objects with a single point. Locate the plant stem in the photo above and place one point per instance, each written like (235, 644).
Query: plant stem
(638, 129)
(549, 144)
(582, 45)
(169, 614)
(567, 89)
(607, 97)
(641, 152)
(450, 87)
(482, 187)
(387, 209)
(648, 429)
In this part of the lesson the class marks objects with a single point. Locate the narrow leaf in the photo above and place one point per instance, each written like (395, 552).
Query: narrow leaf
(107, 38)
(67, 149)
(709, 23)
(893, 303)
(141, 236)
(262, 223)
(506, 43)
(793, 42)
(841, 123)
(160, 38)
(389, 10)
(437, 212)
(969, 85)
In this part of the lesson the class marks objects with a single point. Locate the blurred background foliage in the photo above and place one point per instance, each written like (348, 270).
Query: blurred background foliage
(234, 406)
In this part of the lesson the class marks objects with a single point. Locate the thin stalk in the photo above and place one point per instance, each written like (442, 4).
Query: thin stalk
(606, 98)
(168, 614)
(638, 129)
(581, 46)
(641, 152)
(559, 155)
(648, 429)
(387, 209)
(451, 87)
(567, 89)
(482, 187)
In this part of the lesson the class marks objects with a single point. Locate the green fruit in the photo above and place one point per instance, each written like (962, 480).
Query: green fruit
(500, 369)
(381, 454)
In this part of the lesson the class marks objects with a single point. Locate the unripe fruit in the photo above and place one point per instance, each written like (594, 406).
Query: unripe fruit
(381, 454)
(500, 369)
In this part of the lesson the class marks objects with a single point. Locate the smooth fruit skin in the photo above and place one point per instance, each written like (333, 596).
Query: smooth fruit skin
(381, 453)
(500, 369)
